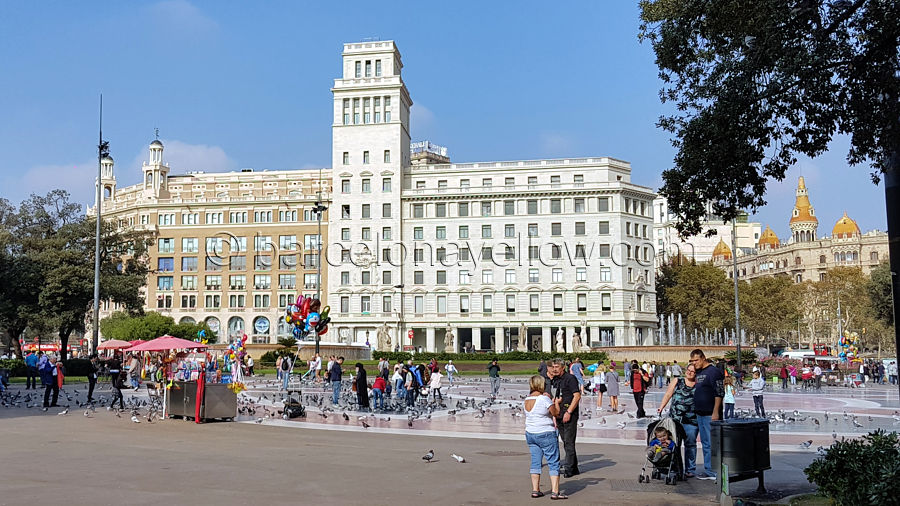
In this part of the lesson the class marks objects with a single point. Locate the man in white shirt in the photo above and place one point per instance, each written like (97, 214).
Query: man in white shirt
(817, 371)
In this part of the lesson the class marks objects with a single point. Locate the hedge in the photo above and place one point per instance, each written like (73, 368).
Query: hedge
(16, 367)
(859, 471)
(403, 356)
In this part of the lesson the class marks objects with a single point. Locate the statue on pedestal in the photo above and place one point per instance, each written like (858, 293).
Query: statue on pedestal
(577, 343)
(523, 338)
(448, 340)
(560, 345)
(384, 337)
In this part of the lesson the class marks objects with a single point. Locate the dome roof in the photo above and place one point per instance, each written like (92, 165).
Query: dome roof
(768, 239)
(107, 158)
(803, 210)
(845, 227)
(722, 251)
(156, 143)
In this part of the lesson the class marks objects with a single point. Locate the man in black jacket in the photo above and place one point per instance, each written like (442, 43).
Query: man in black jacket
(565, 386)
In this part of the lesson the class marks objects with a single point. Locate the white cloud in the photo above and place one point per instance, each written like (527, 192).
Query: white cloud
(77, 179)
(181, 18)
(182, 157)
(420, 119)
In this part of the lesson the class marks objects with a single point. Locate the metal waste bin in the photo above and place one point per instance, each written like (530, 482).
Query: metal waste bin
(743, 445)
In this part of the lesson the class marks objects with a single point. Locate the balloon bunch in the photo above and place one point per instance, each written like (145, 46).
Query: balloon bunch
(849, 346)
(305, 316)
(234, 356)
(201, 337)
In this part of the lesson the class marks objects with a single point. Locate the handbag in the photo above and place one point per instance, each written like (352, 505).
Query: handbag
(353, 387)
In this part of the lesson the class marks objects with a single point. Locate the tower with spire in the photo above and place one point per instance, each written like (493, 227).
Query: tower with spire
(155, 172)
(107, 180)
(803, 219)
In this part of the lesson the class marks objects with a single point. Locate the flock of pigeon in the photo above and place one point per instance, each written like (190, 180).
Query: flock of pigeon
(139, 409)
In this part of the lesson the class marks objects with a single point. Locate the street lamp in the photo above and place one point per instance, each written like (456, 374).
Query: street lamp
(319, 209)
(400, 329)
(737, 304)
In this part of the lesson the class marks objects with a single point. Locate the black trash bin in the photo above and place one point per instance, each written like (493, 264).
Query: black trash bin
(744, 445)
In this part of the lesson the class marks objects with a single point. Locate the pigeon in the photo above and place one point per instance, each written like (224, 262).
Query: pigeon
(87, 413)
(428, 456)
(621, 425)
(834, 435)
(63, 412)
(806, 444)
(259, 420)
(364, 424)
(346, 417)
(135, 419)
(630, 415)
(816, 421)
(458, 458)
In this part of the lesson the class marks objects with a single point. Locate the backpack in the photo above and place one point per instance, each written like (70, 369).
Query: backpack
(285, 364)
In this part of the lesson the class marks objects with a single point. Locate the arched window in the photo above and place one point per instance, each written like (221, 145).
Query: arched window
(187, 319)
(822, 259)
(873, 256)
(235, 327)
(797, 261)
(837, 257)
(149, 181)
(213, 323)
(799, 278)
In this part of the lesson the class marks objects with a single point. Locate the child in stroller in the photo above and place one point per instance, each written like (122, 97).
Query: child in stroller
(664, 439)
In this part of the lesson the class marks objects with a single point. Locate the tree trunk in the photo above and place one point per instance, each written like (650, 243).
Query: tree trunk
(892, 206)
(14, 341)
(64, 343)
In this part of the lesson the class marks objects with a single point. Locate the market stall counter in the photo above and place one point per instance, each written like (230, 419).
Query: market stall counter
(217, 400)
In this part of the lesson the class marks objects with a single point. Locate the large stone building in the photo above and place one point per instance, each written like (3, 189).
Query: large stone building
(486, 250)
(505, 255)
(231, 248)
(805, 255)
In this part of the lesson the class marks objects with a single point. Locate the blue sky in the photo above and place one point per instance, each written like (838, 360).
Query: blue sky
(233, 84)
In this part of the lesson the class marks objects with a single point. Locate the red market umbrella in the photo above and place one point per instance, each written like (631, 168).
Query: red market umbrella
(166, 343)
(138, 341)
(113, 344)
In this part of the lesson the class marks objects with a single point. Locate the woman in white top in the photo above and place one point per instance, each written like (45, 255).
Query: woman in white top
(600, 385)
(542, 437)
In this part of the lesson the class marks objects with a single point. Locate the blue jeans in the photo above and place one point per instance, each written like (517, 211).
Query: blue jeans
(398, 387)
(729, 410)
(285, 377)
(706, 441)
(135, 382)
(660, 381)
(450, 378)
(544, 445)
(335, 391)
(379, 397)
(690, 448)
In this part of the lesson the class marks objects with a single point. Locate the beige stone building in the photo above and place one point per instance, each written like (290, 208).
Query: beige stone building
(231, 249)
(805, 255)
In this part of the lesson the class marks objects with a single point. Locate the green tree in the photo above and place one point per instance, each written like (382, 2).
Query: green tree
(770, 307)
(127, 327)
(704, 295)
(880, 295)
(665, 279)
(754, 84)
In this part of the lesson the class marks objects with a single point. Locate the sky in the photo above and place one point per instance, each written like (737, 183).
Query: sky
(233, 84)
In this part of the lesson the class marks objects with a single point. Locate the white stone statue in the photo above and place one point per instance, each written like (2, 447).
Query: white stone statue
(560, 346)
(577, 343)
(448, 340)
(523, 338)
(384, 337)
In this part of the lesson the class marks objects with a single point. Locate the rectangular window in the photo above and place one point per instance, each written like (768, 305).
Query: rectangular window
(418, 210)
(365, 304)
(366, 211)
(355, 111)
(345, 234)
(509, 252)
(463, 209)
(534, 252)
(532, 207)
(386, 210)
(167, 245)
(236, 301)
(189, 245)
(386, 305)
(486, 182)
(579, 205)
(365, 157)
(235, 262)
(606, 302)
(603, 204)
(485, 208)
(532, 230)
(605, 274)
(555, 206)
(464, 255)
(420, 185)
(262, 217)
(579, 228)
(213, 282)
(487, 304)
(236, 281)
(509, 207)
(287, 242)
(440, 210)
(556, 229)
(386, 278)
(463, 231)
(581, 302)
(555, 252)
(557, 302)
(554, 181)
(213, 301)
(485, 231)
(214, 264)
(262, 281)
(534, 275)
(345, 278)
(534, 303)
(345, 212)
(639, 303)
(578, 179)
(604, 228)
(441, 277)
(386, 233)
(367, 115)
(366, 278)
(287, 281)
(367, 185)
(345, 304)
(366, 234)
(377, 70)
(214, 218)
(532, 182)
(167, 219)
(463, 304)
(464, 184)
(510, 303)
(509, 230)
(419, 278)
(440, 233)
(386, 255)
(189, 264)
(442, 304)
(418, 233)
(237, 244)
(310, 281)
(386, 185)
(418, 304)
(387, 156)
(464, 278)
(442, 185)
(603, 250)
(510, 277)
(509, 182)
(188, 282)
(487, 276)
(581, 274)
(556, 275)
(487, 253)
(358, 68)
(346, 158)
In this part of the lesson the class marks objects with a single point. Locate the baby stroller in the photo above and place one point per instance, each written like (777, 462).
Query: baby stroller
(292, 406)
(669, 466)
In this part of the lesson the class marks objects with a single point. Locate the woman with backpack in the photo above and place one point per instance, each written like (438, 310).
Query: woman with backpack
(639, 381)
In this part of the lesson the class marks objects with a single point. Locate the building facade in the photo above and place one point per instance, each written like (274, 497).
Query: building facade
(231, 249)
(700, 247)
(805, 255)
(475, 256)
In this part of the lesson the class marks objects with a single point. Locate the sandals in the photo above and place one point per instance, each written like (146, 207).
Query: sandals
(537, 493)
(559, 495)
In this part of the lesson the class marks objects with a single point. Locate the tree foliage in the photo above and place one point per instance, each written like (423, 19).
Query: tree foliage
(702, 294)
(127, 327)
(770, 306)
(754, 84)
(880, 294)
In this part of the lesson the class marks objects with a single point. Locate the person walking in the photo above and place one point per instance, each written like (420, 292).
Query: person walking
(435, 385)
(627, 371)
(334, 375)
(681, 392)
(638, 381)
(361, 385)
(757, 387)
(92, 376)
(31, 370)
(134, 372)
(676, 369)
(612, 388)
(728, 399)
(783, 374)
(600, 384)
(541, 436)
(250, 365)
(660, 375)
(412, 386)
(494, 375)
(51, 385)
(115, 379)
(565, 387)
(577, 370)
(708, 394)
(668, 373)
(399, 381)
(286, 363)
(451, 371)
(318, 368)
(278, 368)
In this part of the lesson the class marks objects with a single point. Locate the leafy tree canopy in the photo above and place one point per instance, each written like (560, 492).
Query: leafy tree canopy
(754, 84)
(126, 327)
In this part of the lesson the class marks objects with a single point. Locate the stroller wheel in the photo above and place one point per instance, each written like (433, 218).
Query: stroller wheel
(640, 478)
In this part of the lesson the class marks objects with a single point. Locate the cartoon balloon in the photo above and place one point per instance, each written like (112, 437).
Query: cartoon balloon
(312, 320)
(325, 311)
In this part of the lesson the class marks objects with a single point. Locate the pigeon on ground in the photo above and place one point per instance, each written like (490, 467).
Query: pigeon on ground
(259, 420)
(620, 425)
(428, 456)
(346, 418)
(806, 444)
(364, 424)
(63, 412)
(458, 458)
(87, 413)
(135, 419)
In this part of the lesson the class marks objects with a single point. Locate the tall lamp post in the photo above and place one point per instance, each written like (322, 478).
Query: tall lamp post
(400, 328)
(102, 152)
(319, 209)
(737, 304)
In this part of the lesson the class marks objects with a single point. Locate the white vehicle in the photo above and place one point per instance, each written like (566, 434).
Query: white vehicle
(798, 354)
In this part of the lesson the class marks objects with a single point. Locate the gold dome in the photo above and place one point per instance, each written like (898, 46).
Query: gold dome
(768, 239)
(803, 210)
(845, 228)
(722, 251)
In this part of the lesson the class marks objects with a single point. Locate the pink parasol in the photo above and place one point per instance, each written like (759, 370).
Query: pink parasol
(113, 344)
(167, 342)
(138, 341)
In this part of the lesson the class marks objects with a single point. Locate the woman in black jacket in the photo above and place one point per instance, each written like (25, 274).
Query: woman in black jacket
(362, 387)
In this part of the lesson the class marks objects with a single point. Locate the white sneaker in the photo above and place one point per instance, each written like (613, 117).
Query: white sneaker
(707, 477)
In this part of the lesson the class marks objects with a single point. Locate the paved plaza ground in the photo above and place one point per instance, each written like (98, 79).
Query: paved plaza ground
(103, 459)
